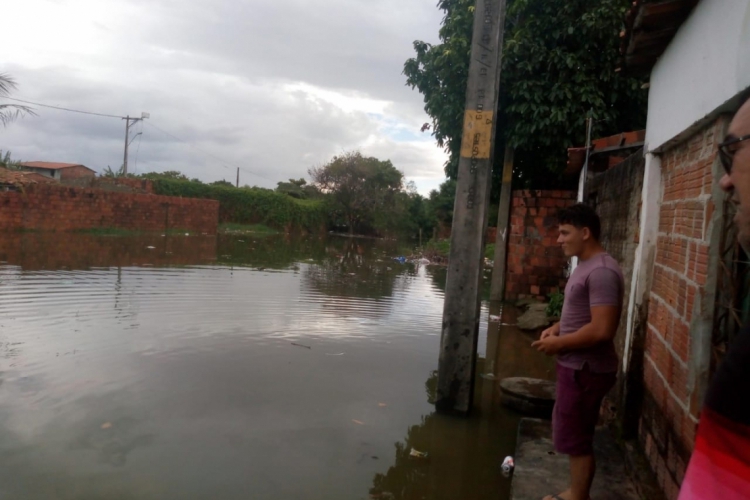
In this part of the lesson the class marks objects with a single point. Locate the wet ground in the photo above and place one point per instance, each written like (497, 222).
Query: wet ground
(237, 367)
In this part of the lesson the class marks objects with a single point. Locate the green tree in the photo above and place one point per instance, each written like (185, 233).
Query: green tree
(297, 188)
(169, 174)
(7, 162)
(559, 67)
(222, 182)
(441, 201)
(9, 112)
(361, 189)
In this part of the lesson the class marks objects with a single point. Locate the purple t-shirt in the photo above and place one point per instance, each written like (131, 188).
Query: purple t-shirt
(595, 282)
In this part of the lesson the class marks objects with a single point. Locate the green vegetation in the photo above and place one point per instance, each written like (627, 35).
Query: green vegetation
(9, 112)
(108, 231)
(559, 68)
(7, 162)
(252, 205)
(554, 308)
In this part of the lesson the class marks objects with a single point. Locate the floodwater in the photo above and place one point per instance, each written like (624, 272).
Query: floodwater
(237, 367)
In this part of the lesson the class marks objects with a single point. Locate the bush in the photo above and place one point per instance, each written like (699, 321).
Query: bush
(554, 308)
(252, 205)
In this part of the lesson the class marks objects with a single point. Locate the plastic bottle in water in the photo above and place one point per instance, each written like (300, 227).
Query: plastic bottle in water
(508, 465)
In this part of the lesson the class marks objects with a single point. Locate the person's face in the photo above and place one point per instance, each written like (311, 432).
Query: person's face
(737, 180)
(573, 240)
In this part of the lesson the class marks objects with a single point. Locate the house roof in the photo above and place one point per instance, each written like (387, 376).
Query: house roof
(51, 165)
(650, 26)
(605, 152)
(16, 177)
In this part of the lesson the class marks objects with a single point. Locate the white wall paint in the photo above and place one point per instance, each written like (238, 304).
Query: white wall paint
(707, 63)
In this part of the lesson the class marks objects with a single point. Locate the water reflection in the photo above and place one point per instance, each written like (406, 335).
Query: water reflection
(169, 372)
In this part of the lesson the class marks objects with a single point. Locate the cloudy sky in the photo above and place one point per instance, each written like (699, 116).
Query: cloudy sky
(272, 87)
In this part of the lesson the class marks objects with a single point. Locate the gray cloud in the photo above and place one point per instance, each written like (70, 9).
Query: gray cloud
(271, 87)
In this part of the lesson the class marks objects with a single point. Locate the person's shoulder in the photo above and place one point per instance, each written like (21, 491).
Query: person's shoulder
(605, 264)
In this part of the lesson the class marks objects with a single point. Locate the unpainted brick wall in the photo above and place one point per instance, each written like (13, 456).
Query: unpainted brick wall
(58, 208)
(77, 172)
(672, 401)
(536, 264)
(616, 196)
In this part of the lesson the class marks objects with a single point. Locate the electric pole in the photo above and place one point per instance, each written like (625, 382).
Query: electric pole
(127, 138)
(238, 177)
(460, 328)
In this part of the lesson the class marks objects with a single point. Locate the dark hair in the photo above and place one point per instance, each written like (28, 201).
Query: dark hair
(580, 216)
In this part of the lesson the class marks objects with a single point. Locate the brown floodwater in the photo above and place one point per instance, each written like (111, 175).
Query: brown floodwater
(238, 367)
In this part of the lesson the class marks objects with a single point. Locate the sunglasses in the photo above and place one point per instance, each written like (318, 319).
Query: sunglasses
(727, 150)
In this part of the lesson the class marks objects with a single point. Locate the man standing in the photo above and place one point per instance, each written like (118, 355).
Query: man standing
(720, 465)
(583, 341)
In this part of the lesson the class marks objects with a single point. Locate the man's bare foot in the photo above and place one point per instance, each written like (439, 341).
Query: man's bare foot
(565, 495)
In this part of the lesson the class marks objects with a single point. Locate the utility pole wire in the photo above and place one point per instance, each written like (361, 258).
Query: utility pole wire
(61, 108)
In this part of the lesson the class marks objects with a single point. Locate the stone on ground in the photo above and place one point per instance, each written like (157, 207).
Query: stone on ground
(530, 396)
(534, 318)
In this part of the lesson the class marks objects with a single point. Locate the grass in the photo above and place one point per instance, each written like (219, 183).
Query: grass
(234, 227)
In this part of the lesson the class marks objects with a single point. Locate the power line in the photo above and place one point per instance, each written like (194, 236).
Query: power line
(223, 162)
(61, 108)
(138, 150)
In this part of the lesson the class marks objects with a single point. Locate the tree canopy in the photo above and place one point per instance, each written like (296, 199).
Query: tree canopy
(559, 67)
(361, 189)
(9, 112)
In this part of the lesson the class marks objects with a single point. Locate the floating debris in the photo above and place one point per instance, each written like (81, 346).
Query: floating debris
(358, 422)
(106, 425)
(150, 247)
(337, 354)
(417, 454)
(301, 345)
(508, 465)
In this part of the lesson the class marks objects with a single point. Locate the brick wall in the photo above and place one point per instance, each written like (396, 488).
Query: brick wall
(679, 303)
(536, 264)
(77, 172)
(119, 184)
(58, 208)
(616, 196)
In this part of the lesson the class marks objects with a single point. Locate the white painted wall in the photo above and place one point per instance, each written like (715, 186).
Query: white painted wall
(707, 63)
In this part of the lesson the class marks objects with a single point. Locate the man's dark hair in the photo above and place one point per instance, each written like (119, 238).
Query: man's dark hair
(580, 216)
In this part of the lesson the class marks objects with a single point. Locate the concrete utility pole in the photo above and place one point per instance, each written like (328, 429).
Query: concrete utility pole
(458, 343)
(238, 177)
(497, 290)
(127, 138)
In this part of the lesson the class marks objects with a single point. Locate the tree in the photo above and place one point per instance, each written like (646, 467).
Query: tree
(297, 188)
(9, 112)
(169, 174)
(559, 67)
(361, 189)
(222, 183)
(7, 162)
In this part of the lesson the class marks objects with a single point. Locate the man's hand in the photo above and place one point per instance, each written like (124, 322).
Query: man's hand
(552, 331)
(549, 345)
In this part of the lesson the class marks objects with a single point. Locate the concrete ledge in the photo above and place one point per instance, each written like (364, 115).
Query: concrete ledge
(540, 471)
(529, 396)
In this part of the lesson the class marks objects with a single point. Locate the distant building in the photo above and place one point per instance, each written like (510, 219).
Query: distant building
(59, 171)
(10, 180)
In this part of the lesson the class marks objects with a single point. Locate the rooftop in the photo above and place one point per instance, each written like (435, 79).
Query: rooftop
(51, 165)
(649, 27)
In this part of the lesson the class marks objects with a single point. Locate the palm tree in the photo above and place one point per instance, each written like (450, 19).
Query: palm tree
(9, 112)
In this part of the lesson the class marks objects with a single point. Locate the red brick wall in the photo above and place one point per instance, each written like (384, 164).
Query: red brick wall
(672, 398)
(536, 264)
(57, 208)
(76, 172)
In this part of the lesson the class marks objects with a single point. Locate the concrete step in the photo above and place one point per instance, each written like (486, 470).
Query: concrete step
(540, 471)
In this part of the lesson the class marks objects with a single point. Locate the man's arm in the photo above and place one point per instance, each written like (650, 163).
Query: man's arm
(603, 327)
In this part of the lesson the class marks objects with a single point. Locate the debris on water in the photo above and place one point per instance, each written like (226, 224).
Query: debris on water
(494, 318)
(358, 422)
(508, 465)
(388, 269)
(382, 405)
(187, 234)
(301, 345)
(337, 354)
(150, 247)
(417, 454)
(241, 241)
(106, 425)
(400, 260)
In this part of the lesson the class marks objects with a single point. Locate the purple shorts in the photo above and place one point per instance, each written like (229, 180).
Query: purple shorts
(577, 404)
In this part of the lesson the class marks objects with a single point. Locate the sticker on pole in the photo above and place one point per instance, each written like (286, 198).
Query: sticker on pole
(476, 141)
